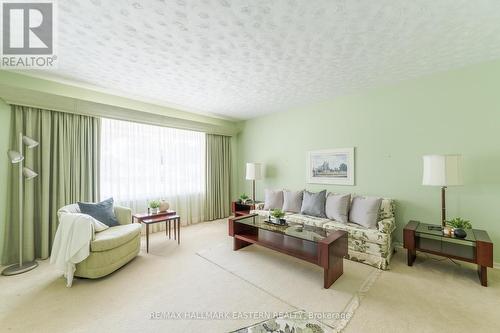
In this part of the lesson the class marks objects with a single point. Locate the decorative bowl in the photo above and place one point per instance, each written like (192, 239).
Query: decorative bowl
(460, 233)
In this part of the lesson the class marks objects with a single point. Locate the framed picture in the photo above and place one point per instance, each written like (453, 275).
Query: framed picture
(330, 166)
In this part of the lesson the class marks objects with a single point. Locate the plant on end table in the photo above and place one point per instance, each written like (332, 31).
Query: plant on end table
(243, 198)
(459, 223)
(154, 205)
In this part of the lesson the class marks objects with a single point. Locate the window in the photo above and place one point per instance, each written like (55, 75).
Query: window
(144, 162)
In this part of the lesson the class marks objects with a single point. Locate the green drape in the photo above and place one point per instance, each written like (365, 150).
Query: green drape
(218, 177)
(67, 163)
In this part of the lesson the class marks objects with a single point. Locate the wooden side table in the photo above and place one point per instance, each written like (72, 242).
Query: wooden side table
(475, 248)
(167, 217)
(240, 209)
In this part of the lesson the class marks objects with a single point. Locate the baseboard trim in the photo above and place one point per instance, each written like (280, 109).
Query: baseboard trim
(496, 265)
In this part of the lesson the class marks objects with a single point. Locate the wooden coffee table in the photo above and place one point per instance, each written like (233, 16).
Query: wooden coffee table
(305, 242)
(167, 217)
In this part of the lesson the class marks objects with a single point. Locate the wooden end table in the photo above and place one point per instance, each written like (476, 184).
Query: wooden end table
(167, 217)
(240, 209)
(475, 248)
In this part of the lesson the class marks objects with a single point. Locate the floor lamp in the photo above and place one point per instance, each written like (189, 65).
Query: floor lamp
(254, 172)
(17, 157)
(443, 171)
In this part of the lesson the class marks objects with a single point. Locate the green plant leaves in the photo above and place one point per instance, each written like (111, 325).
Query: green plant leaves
(154, 204)
(277, 213)
(459, 223)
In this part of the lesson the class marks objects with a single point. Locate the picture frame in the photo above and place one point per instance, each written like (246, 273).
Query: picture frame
(330, 166)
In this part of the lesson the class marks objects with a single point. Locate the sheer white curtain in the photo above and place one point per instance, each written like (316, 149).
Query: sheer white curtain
(141, 162)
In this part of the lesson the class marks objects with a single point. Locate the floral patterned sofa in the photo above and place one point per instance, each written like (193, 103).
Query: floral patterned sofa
(369, 246)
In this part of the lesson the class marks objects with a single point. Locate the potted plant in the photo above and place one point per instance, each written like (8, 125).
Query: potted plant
(277, 216)
(459, 225)
(154, 205)
(243, 198)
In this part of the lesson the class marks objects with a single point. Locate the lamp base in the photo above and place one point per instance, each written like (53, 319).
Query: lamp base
(16, 269)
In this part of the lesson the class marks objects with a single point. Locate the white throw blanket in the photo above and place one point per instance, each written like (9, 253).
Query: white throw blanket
(72, 242)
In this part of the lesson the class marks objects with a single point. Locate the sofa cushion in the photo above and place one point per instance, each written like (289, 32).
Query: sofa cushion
(337, 207)
(99, 264)
(357, 232)
(313, 204)
(307, 220)
(292, 201)
(114, 237)
(273, 199)
(101, 211)
(364, 211)
(265, 213)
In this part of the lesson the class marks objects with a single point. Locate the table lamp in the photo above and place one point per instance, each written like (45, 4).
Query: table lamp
(254, 172)
(443, 171)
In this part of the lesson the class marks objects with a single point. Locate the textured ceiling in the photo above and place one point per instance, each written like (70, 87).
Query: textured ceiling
(242, 59)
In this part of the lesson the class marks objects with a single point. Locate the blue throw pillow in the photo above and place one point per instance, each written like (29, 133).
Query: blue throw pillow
(101, 211)
(313, 204)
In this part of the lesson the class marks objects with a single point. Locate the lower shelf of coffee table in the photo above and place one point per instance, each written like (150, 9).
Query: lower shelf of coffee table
(302, 249)
(328, 252)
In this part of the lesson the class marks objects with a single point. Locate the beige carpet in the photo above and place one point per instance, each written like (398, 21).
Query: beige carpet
(295, 282)
(434, 295)
(429, 297)
(170, 278)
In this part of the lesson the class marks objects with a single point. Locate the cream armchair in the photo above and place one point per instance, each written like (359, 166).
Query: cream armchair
(109, 249)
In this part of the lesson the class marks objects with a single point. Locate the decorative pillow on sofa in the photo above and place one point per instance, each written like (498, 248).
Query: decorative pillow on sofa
(273, 199)
(292, 201)
(337, 207)
(313, 204)
(364, 211)
(101, 211)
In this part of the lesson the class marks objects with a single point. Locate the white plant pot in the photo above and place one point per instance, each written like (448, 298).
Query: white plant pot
(277, 220)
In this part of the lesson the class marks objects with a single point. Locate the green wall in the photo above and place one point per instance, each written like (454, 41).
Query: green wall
(391, 128)
(4, 162)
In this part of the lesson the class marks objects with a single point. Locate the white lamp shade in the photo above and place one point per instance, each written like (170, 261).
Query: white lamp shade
(254, 171)
(28, 173)
(442, 170)
(29, 142)
(15, 157)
